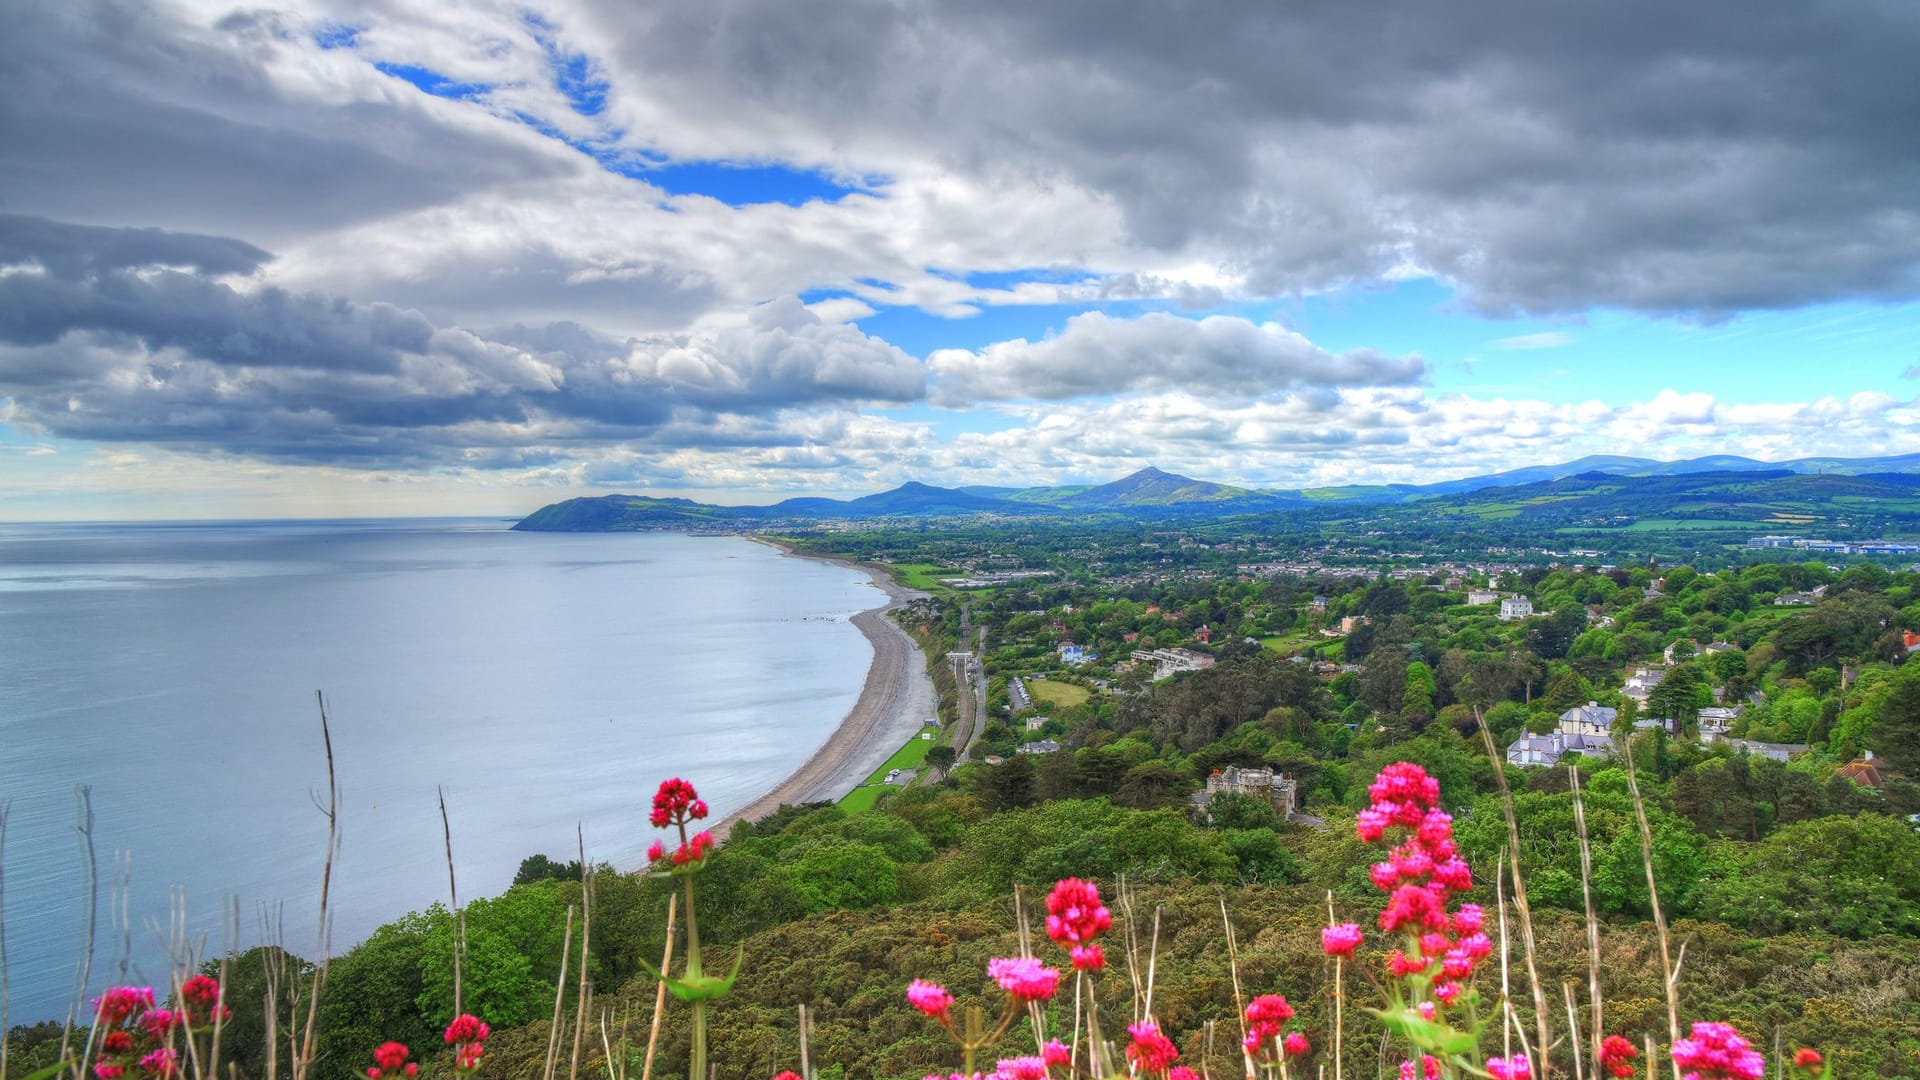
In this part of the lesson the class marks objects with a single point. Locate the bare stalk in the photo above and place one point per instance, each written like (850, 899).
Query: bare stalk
(302, 1062)
(806, 1037)
(1541, 1021)
(1153, 958)
(1339, 1001)
(453, 897)
(1573, 1026)
(1593, 922)
(660, 989)
(84, 796)
(586, 930)
(559, 993)
(1233, 966)
(1669, 971)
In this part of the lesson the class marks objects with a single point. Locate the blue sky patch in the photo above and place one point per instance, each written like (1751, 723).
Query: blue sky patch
(433, 82)
(336, 36)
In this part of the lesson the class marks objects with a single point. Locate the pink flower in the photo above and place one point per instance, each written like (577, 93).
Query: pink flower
(1428, 1064)
(1181, 1072)
(1404, 782)
(673, 803)
(1024, 978)
(157, 1022)
(1400, 965)
(929, 998)
(656, 851)
(1427, 1010)
(161, 1062)
(697, 808)
(201, 990)
(1469, 919)
(104, 1071)
(1516, 1067)
(1371, 824)
(117, 1042)
(1022, 1068)
(1057, 1053)
(786, 1074)
(1341, 940)
(1715, 1051)
(1295, 1044)
(1075, 915)
(1807, 1058)
(1447, 993)
(1088, 957)
(1150, 1051)
(1265, 1016)
(122, 1002)
(389, 1056)
(466, 1028)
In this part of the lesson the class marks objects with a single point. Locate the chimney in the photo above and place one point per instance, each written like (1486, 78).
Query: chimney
(1869, 756)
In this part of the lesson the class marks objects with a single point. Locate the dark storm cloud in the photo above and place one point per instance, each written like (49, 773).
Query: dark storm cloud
(118, 335)
(1701, 158)
(114, 111)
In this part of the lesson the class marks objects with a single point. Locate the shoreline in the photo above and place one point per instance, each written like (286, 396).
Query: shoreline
(893, 705)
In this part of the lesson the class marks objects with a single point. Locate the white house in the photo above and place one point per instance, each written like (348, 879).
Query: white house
(1548, 749)
(1515, 607)
(1589, 719)
(1639, 685)
(1478, 597)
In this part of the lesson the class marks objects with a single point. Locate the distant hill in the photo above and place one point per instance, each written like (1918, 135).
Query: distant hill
(1719, 485)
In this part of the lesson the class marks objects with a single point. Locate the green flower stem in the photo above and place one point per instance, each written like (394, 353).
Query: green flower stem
(692, 973)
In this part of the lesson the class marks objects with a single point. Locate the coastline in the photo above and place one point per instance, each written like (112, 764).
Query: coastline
(894, 703)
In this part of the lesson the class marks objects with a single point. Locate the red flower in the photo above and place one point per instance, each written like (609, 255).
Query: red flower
(1021, 1068)
(1151, 1051)
(1181, 1072)
(161, 1062)
(1057, 1053)
(122, 1002)
(1295, 1044)
(1075, 915)
(1616, 1055)
(201, 990)
(786, 1074)
(674, 802)
(1808, 1058)
(1088, 957)
(656, 851)
(1516, 1067)
(390, 1055)
(466, 1028)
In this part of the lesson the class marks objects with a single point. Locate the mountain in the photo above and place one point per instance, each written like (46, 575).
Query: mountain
(1583, 485)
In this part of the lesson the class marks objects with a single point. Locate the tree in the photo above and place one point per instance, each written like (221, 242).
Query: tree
(1897, 736)
(541, 868)
(1680, 697)
(1853, 876)
(941, 756)
(832, 876)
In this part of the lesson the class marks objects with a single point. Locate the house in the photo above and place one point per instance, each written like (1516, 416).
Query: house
(1910, 639)
(1592, 718)
(1716, 720)
(1353, 622)
(1044, 746)
(1861, 770)
(1794, 599)
(1204, 635)
(1319, 603)
(1074, 655)
(1277, 789)
(1768, 750)
(1035, 723)
(1515, 607)
(1481, 597)
(1548, 749)
(1639, 685)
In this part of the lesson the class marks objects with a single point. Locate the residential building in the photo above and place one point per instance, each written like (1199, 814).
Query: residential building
(1540, 750)
(1592, 718)
(1515, 607)
(1771, 751)
(1639, 685)
(1480, 597)
(1862, 770)
(1277, 789)
(1044, 746)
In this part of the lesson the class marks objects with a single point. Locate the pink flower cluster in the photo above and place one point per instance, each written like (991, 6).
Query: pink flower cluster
(1616, 1056)
(1266, 1016)
(1024, 978)
(930, 998)
(1421, 876)
(1075, 916)
(675, 804)
(468, 1037)
(390, 1060)
(1516, 1067)
(137, 1035)
(1715, 1051)
(1151, 1052)
(1428, 1069)
(1341, 939)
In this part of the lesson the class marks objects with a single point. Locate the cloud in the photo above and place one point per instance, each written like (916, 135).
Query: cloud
(1219, 357)
(1551, 339)
(119, 336)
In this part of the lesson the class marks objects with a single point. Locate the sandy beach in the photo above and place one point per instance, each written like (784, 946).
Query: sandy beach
(895, 701)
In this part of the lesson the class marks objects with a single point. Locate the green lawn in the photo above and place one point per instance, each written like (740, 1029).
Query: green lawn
(1061, 694)
(923, 576)
(910, 756)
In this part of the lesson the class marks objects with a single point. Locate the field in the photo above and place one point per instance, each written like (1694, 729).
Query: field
(1058, 694)
(910, 756)
(923, 576)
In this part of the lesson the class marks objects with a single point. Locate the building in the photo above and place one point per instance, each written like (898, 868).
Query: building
(1044, 746)
(1716, 720)
(1539, 750)
(1277, 789)
(1170, 662)
(1074, 655)
(1515, 607)
(1862, 770)
(1479, 597)
(1639, 685)
(1592, 718)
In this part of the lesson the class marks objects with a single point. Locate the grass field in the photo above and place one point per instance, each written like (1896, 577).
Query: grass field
(1060, 694)
(923, 576)
(910, 756)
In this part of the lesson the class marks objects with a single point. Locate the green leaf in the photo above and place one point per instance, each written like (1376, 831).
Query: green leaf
(1435, 1038)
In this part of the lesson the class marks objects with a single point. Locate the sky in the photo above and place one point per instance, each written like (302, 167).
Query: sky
(315, 258)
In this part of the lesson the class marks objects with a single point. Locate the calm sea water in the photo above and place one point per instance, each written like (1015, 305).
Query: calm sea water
(543, 679)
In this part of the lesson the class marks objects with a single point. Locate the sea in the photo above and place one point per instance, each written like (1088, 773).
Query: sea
(164, 681)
